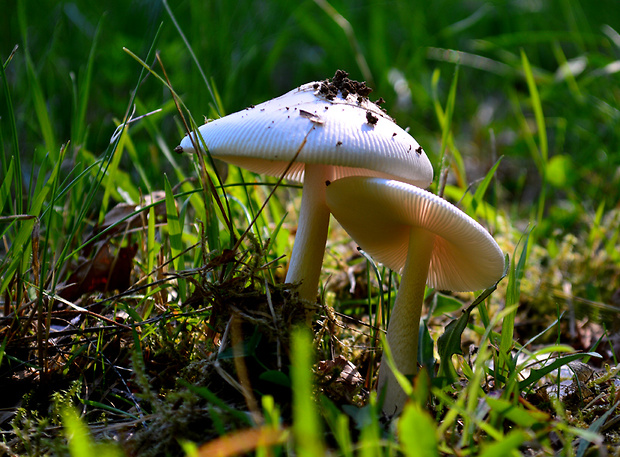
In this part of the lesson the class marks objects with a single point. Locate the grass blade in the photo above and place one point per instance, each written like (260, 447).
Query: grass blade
(306, 425)
(174, 229)
(543, 147)
(79, 440)
(537, 107)
(594, 428)
(40, 106)
(507, 446)
(445, 123)
(537, 374)
(5, 188)
(483, 186)
(14, 140)
(338, 422)
(82, 92)
(418, 432)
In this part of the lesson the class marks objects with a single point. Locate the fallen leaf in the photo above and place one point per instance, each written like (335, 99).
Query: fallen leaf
(243, 441)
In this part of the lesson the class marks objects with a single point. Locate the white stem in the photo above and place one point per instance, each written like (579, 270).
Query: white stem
(311, 237)
(404, 325)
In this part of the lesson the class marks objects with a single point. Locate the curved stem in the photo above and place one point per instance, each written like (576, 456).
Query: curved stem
(404, 325)
(309, 247)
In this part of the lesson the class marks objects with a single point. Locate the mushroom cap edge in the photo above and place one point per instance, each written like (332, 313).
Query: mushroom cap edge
(378, 213)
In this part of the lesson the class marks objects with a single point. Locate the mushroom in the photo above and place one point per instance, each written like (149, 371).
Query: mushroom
(317, 132)
(426, 239)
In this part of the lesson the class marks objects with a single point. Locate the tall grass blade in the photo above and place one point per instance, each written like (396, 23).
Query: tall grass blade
(543, 147)
(5, 188)
(383, 308)
(118, 184)
(15, 155)
(445, 123)
(191, 51)
(175, 232)
(306, 424)
(537, 107)
(36, 91)
(402, 380)
(150, 241)
(82, 93)
(478, 199)
(506, 363)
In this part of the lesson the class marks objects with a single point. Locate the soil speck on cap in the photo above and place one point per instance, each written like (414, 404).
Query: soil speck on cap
(339, 143)
(380, 102)
(371, 119)
(419, 150)
(346, 86)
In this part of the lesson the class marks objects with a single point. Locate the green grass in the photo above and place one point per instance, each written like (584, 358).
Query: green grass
(176, 331)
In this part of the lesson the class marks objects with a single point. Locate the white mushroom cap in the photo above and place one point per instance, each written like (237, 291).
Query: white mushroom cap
(379, 214)
(351, 134)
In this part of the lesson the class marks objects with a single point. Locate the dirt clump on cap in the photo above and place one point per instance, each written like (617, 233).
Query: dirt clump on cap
(346, 86)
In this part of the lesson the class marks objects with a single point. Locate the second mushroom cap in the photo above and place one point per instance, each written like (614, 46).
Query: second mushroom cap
(379, 213)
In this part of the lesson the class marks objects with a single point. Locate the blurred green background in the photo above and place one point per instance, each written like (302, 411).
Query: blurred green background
(252, 51)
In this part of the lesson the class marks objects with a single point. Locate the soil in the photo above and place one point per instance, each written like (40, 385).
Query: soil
(346, 86)
(371, 118)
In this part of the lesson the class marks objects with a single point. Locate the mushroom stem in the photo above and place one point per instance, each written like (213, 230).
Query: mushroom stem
(311, 237)
(404, 327)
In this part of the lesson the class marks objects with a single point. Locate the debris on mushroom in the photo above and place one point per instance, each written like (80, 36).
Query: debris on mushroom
(371, 118)
(313, 117)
